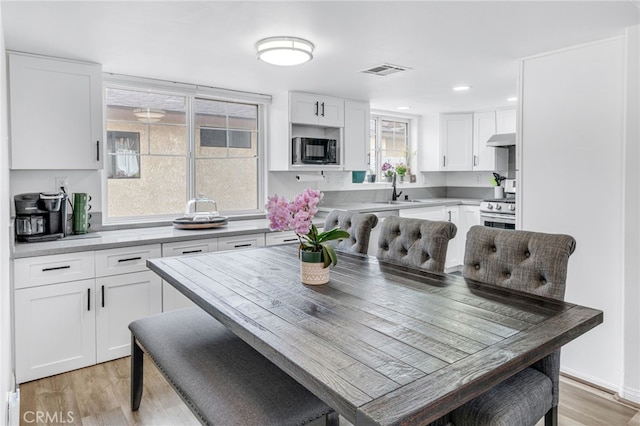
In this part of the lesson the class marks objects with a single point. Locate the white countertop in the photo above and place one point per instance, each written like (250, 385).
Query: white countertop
(164, 234)
(138, 236)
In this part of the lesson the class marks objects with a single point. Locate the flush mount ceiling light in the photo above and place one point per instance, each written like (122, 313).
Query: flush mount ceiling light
(513, 99)
(284, 51)
(461, 88)
(148, 115)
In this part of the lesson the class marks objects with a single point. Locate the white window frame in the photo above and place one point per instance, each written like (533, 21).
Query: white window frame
(378, 117)
(190, 92)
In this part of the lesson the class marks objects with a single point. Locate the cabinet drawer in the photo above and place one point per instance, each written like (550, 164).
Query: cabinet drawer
(35, 271)
(189, 247)
(240, 242)
(124, 260)
(278, 238)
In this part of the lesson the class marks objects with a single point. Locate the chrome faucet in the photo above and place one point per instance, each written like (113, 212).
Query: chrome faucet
(394, 194)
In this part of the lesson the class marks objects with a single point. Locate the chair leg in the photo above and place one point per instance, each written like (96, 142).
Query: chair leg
(333, 419)
(136, 373)
(551, 418)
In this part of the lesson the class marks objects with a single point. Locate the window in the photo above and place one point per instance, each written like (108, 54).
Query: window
(389, 142)
(166, 147)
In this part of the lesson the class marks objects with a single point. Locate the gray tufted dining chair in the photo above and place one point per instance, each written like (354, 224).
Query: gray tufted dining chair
(416, 243)
(532, 262)
(358, 225)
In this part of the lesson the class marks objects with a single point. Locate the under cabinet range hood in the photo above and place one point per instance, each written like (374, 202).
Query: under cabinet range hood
(502, 140)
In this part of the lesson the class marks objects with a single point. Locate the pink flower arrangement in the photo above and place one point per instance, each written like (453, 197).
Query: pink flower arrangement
(388, 169)
(297, 216)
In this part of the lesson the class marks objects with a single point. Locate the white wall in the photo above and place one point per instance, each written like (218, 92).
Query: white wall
(571, 181)
(6, 381)
(631, 379)
(88, 181)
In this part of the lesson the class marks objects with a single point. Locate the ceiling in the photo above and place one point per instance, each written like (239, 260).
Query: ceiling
(212, 43)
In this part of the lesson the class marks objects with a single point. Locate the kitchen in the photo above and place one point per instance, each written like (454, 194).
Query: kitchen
(566, 184)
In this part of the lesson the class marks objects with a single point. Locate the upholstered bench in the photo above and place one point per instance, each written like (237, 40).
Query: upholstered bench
(222, 379)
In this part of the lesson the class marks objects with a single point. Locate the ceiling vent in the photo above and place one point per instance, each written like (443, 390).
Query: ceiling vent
(385, 70)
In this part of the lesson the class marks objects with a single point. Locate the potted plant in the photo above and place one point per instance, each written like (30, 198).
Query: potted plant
(388, 171)
(316, 255)
(371, 177)
(401, 170)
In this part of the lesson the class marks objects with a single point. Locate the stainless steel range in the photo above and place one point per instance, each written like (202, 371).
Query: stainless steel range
(501, 212)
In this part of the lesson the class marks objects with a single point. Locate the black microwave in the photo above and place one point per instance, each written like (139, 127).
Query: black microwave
(314, 151)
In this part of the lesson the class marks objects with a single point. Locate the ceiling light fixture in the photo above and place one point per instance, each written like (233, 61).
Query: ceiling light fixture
(148, 115)
(403, 107)
(512, 99)
(461, 88)
(284, 51)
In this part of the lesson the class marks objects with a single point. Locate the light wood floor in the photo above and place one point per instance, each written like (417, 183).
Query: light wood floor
(99, 395)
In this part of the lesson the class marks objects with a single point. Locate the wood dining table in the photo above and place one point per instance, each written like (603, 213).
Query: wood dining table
(380, 343)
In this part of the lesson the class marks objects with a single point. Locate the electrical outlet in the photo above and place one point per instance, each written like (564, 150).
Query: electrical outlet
(477, 178)
(62, 182)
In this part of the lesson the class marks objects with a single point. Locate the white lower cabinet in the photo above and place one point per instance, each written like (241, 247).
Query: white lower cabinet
(455, 248)
(279, 238)
(121, 299)
(54, 329)
(61, 326)
(172, 298)
(241, 242)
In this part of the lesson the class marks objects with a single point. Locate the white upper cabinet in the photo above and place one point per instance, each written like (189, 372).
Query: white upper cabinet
(506, 121)
(456, 141)
(308, 108)
(356, 135)
(486, 158)
(55, 113)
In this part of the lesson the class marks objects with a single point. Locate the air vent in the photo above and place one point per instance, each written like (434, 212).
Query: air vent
(385, 69)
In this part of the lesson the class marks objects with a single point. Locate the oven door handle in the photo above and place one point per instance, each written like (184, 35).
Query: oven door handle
(497, 217)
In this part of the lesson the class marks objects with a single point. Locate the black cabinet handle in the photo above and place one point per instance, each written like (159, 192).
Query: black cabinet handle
(444, 161)
(323, 109)
(97, 150)
(192, 251)
(88, 299)
(129, 259)
(449, 215)
(55, 268)
(102, 296)
(289, 240)
(317, 108)
(242, 245)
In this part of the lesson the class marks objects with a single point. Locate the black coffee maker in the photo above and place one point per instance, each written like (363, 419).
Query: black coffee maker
(40, 216)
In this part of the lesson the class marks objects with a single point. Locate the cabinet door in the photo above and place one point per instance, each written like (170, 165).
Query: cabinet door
(485, 157)
(356, 135)
(122, 299)
(304, 108)
(56, 268)
(308, 108)
(456, 140)
(506, 121)
(279, 238)
(182, 248)
(428, 213)
(331, 112)
(56, 113)
(241, 242)
(125, 260)
(54, 329)
(172, 298)
(455, 249)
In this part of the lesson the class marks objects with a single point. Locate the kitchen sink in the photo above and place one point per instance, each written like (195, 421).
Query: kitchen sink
(401, 202)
